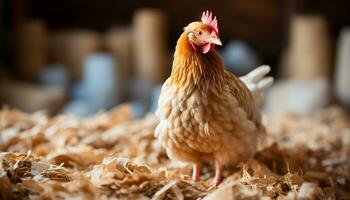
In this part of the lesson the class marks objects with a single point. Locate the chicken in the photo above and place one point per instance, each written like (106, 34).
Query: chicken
(206, 113)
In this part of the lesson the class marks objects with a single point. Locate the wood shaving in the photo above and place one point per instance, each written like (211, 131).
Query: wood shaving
(113, 156)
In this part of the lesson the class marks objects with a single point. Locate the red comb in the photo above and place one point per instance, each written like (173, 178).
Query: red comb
(207, 18)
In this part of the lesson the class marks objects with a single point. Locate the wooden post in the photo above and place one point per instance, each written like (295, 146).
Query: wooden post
(342, 73)
(309, 49)
(30, 48)
(118, 42)
(149, 29)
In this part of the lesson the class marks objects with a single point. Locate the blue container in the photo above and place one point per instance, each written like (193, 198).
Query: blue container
(100, 81)
(98, 89)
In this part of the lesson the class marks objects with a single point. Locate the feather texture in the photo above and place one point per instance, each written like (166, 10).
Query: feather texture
(206, 114)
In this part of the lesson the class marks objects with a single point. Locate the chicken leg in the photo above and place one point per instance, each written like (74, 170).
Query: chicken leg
(196, 172)
(218, 174)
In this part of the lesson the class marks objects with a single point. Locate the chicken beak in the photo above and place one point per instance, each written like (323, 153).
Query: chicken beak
(216, 41)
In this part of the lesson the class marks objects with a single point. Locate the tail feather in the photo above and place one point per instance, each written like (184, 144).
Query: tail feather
(265, 83)
(257, 81)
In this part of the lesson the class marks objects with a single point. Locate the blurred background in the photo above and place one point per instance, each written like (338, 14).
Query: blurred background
(84, 56)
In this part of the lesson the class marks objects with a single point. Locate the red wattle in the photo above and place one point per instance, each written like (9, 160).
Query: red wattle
(206, 48)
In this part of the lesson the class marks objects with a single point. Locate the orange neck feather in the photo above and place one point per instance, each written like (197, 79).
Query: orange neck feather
(194, 68)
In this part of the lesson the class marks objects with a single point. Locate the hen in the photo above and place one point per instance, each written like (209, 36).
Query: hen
(206, 113)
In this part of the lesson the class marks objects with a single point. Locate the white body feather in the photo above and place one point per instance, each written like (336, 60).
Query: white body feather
(256, 81)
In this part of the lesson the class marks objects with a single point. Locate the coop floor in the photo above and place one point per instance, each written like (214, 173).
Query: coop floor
(112, 155)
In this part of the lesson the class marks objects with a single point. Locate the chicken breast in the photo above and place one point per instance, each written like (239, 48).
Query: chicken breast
(200, 126)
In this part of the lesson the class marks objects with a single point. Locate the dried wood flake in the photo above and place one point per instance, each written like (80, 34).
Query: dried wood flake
(113, 156)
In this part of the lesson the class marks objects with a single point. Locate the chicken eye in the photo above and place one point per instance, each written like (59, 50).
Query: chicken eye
(199, 32)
